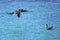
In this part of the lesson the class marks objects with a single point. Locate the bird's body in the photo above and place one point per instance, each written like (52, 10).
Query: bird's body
(18, 13)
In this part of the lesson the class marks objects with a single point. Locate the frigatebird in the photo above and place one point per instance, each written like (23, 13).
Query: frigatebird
(19, 11)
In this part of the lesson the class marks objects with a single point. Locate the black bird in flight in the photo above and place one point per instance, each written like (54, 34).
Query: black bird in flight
(18, 12)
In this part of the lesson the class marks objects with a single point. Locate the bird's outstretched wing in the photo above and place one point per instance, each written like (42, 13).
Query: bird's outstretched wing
(11, 13)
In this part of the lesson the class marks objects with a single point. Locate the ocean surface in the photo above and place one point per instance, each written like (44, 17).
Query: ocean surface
(31, 25)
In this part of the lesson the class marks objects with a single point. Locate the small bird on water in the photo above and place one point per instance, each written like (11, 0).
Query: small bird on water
(48, 28)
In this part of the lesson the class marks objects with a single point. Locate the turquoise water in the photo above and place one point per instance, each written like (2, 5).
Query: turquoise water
(31, 25)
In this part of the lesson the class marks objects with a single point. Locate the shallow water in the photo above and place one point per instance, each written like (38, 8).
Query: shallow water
(31, 25)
